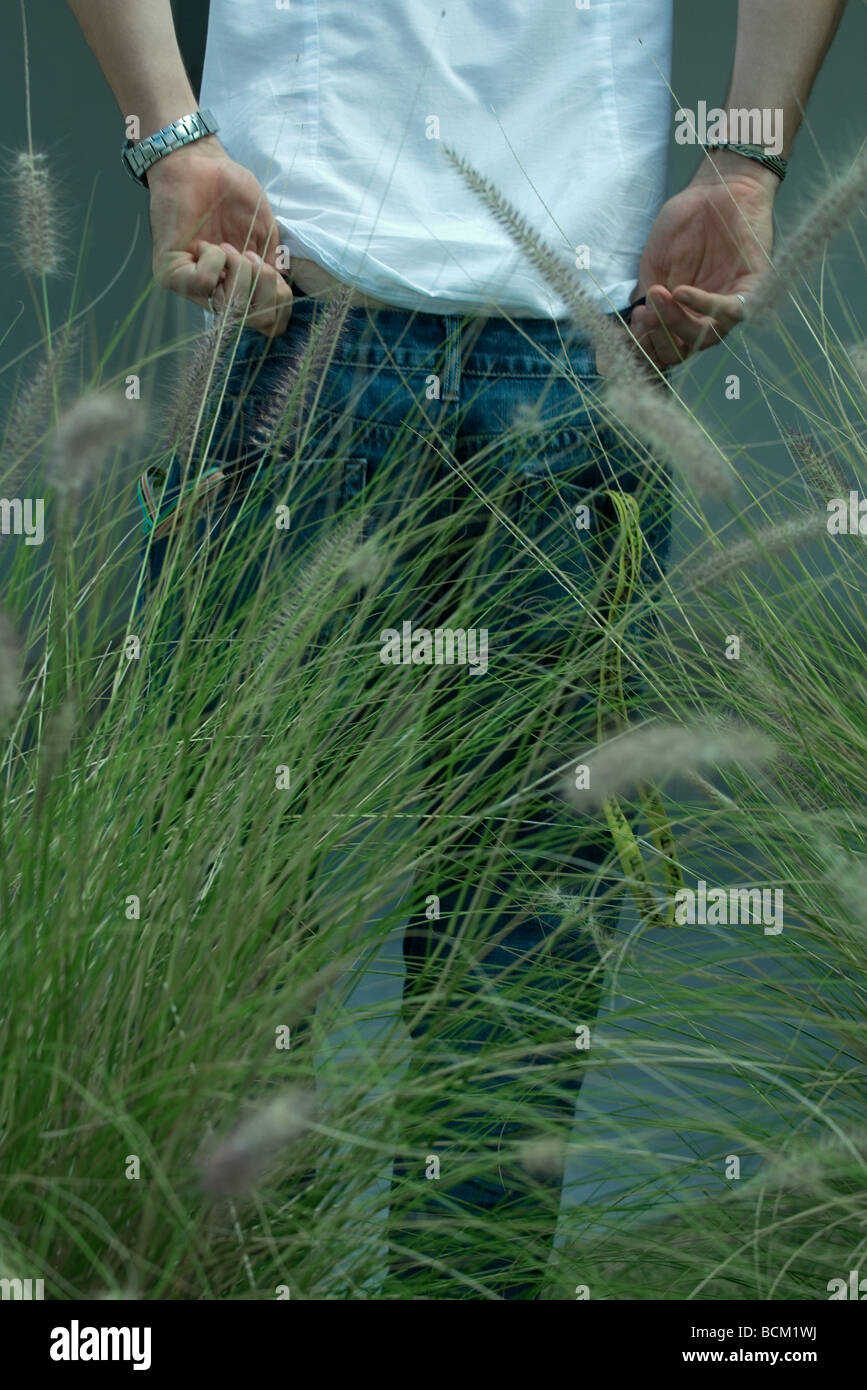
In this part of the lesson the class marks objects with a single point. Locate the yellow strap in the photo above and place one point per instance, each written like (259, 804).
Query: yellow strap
(613, 699)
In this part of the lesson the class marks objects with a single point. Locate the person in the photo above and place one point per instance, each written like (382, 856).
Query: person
(321, 165)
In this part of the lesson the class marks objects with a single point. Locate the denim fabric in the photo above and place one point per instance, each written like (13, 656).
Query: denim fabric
(501, 411)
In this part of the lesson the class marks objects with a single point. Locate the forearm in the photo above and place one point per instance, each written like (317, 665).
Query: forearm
(135, 44)
(781, 45)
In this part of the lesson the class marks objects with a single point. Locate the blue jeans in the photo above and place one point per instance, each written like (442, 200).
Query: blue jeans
(499, 414)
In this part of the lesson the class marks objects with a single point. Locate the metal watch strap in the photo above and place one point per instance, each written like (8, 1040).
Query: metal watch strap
(774, 162)
(138, 158)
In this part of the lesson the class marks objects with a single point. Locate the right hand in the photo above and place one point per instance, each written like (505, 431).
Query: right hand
(214, 234)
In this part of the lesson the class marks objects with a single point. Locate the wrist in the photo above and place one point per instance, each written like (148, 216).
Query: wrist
(147, 153)
(174, 163)
(723, 166)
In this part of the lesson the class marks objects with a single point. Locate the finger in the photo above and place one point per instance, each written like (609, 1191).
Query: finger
(693, 329)
(699, 317)
(693, 332)
(642, 322)
(238, 286)
(726, 309)
(211, 265)
(696, 333)
(663, 348)
(284, 309)
(193, 278)
(263, 305)
(271, 301)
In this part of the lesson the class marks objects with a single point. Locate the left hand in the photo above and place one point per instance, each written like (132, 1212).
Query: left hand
(709, 243)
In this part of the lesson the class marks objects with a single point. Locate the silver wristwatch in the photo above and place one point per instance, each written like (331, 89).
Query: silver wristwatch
(138, 158)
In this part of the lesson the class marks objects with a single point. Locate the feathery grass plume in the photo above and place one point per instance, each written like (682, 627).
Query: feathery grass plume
(655, 751)
(794, 1172)
(624, 361)
(707, 788)
(821, 1165)
(543, 1157)
(364, 565)
(31, 416)
(278, 409)
(773, 540)
(774, 690)
(846, 876)
(322, 343)
(204, 376)
(771, 694)
(819, 471)
(56, 742)
(86, 432)
(551, 896)
(38, 246)
(572, 905)
(282, 413)
(237, 1164)
(668, 430)
(317, 575)
(832, 208)
(11, 668)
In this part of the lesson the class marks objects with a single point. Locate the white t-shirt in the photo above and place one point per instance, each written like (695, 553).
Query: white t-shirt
(341, 109)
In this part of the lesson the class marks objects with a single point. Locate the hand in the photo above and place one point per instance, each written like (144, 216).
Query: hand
(214, 234)
(709, 243)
